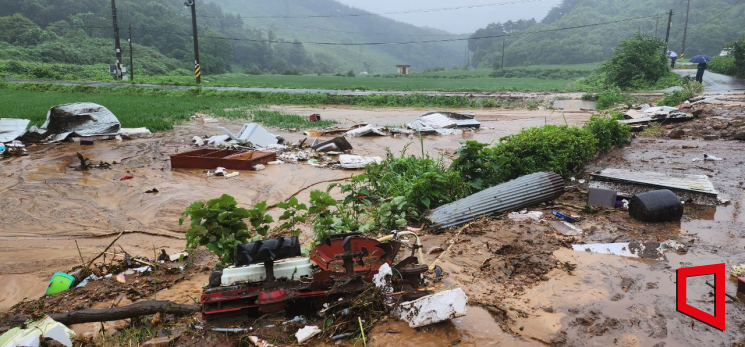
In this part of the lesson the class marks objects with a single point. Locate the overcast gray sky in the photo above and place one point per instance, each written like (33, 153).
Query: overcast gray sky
(456, 21)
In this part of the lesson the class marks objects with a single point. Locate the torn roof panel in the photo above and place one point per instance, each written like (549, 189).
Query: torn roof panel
(12, 128)
(694, 183)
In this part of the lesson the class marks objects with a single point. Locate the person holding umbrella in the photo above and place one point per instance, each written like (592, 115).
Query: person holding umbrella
(673, 57)
(701, 60)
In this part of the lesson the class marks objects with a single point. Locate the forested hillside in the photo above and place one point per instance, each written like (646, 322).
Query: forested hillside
(80, 32)
(712, 24)
(331, 21)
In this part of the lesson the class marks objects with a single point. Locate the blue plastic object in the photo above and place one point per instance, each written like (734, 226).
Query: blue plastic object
(564, 217)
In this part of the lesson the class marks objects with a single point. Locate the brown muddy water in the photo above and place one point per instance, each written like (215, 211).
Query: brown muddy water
(607, 300)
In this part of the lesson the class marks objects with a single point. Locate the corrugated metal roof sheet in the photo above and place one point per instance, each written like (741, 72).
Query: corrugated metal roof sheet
(522, 192)
(694, 183)
(12, 128)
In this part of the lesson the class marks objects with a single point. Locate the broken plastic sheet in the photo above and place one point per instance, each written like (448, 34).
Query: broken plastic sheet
(79, 120)
(135, 133)
(348, 161)
(367, 130)
(434, 308)
(253, 133)
(47, 327)
(12, 128)
(646, 250)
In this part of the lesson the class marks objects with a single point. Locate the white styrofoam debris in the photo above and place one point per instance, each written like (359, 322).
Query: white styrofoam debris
(365, 130)
(521, 217)
(434, 308)
(217, 140)
(307, 333)
(349, 161)
(379, 279)
(134, 133)
(738, 270)
(621, 249)
(259, 167)
(198, 141)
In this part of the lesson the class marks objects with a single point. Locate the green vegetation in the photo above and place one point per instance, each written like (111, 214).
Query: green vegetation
(532, 43)
(397, 191)
(273, 118)
(636, 63)
(218, 225)
(609, 132)
(734, 63)
(159, 109)
(690, 88)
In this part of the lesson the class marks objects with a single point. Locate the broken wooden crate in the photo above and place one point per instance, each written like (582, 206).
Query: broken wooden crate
(211, 159)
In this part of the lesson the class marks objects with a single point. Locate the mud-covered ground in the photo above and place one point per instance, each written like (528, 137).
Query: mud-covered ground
(525, 284)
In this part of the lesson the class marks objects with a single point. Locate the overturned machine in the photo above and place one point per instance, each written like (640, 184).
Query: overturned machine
(271, 275)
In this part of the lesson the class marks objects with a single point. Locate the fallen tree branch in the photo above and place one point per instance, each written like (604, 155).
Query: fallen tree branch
(142, 308)
(104, 251)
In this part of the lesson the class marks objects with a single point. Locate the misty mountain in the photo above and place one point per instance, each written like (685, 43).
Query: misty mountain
(712, 24)
(338, 23)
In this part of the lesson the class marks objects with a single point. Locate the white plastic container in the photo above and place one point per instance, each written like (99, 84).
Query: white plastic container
(291, 269)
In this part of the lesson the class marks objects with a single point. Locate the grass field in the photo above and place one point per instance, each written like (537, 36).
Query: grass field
(448, 80)
(159, 109)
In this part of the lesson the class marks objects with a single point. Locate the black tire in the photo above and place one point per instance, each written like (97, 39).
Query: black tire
(656, 206)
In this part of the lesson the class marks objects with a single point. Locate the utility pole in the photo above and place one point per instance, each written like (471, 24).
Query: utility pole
(667, 36)
(117, 44)
(656, 23)
(197, 67)
(685, 31)
(131, 62)
(503, 41)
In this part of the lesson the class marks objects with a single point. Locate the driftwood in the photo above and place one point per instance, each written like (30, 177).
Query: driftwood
(142, 308)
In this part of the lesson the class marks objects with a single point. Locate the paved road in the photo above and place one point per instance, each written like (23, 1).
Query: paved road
(715, 83)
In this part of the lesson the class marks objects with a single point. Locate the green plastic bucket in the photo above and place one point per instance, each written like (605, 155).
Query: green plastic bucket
(60, 282)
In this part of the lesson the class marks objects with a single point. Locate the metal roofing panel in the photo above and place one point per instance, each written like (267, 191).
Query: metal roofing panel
(522, 192)
(695, 183)
(12, 128)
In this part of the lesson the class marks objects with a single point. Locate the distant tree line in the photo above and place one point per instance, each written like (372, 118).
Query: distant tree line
(712, 23)
(80, 32)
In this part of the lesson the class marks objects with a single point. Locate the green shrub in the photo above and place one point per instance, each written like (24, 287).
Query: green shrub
(637, 62)
(424, 182)
(609, 132)
(560, 149)
(677, 97)
(478, 165)
(217, 224)
(723, 65)
(610, 98)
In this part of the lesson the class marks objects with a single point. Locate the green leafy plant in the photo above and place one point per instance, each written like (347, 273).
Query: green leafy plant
(609, 132)
(610, 98)
(259, 219)
(561, 149)
(637, 62)
(478, 165)
(394, 214)
(294, 213)
(218, 225)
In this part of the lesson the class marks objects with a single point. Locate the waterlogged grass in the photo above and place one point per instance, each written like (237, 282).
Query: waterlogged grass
(468, 81)
(275, 118)
(159, 109)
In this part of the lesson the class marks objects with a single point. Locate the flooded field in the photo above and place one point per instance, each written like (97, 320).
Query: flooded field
(525, 285)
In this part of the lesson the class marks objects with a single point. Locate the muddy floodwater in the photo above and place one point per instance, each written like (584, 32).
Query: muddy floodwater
(48, 205)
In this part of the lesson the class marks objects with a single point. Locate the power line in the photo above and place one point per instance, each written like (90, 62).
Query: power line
(429, 41)
(367, 33)
(386, 43)
(723, 12)
(368, 14)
